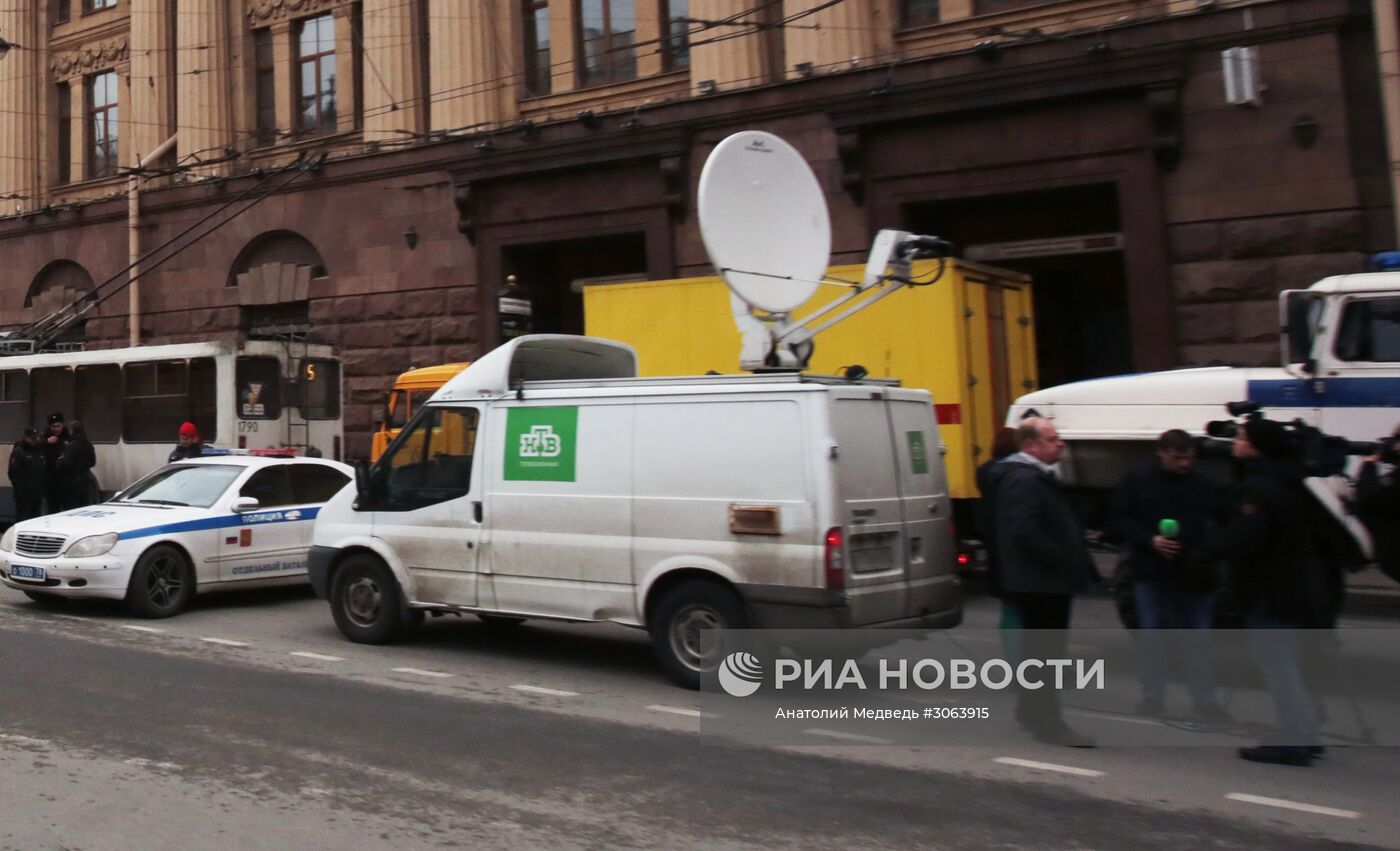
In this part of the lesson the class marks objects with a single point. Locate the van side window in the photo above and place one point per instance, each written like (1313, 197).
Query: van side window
(432, 461)
(1370, 331)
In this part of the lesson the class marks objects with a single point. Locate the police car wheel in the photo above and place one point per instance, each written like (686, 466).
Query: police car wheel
(161, 584)
(365, 601)
(684, 629)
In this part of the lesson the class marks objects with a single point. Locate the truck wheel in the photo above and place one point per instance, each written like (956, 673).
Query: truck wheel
(685, 629)
(162, 583)
(366, 602)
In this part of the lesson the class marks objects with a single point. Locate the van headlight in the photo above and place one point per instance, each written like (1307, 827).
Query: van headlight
(93, 545)
(7, 540)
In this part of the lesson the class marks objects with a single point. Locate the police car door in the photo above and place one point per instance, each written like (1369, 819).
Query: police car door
(271, 540)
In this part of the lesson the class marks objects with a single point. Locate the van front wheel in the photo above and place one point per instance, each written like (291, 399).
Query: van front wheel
(686, 625)
(365, 601)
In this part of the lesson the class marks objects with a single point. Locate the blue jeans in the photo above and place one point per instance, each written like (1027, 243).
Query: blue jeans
(1189, 615)
(1275, 649)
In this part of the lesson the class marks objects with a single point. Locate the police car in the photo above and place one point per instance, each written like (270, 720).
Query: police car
(202, 524)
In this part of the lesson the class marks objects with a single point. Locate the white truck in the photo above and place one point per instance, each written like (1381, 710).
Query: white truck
(1340, 372)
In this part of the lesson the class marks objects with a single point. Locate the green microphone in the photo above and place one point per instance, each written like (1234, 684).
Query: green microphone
(1169, 528)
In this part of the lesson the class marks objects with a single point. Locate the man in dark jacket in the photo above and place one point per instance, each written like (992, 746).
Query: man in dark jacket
(1378, 506)
(1164, 510)
(53, 443)
(1043, 562)
(27, 475)
(74, 468)
(1275, 579)
(988, 476)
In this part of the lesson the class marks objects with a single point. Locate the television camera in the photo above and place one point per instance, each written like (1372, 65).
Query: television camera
(1319, 453)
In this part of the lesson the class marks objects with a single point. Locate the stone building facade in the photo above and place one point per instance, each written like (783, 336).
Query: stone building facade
(456, 142)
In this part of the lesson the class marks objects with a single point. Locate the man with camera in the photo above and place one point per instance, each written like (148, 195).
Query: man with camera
(1276, 578)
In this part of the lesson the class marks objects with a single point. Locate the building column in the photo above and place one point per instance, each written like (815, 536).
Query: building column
(22, 77)
(347, 115)
(836, 38)
(470, 85)
(203, 79)
(147, 114)
(1388, 58)
(284, 73)
(391, 77)
(735, 62)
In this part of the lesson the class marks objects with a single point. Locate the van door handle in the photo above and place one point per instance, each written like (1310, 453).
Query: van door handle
(476, 511)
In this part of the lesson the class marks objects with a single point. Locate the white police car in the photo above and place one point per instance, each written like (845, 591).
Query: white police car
(202, 524)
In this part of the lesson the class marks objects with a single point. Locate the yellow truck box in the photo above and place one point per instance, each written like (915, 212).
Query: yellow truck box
(969, 339)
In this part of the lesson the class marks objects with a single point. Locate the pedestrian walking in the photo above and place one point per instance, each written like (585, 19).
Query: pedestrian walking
(1043, 564)
(77, 482)
(988, 476)
(190, 445)
(1276, 580)
(55, 438)
(1165, 511)
(27, 475)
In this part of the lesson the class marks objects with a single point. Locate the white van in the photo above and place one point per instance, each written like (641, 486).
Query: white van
(547, 481)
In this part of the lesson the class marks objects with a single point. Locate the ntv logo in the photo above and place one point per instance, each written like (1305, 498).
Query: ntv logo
(541, 442)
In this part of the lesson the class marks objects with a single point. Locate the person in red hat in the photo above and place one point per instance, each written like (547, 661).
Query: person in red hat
(191, 445)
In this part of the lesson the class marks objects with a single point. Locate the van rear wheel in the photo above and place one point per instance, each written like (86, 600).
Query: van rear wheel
(366, 602)
(686, 625)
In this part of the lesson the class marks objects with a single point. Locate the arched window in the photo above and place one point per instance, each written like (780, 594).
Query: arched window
(273, 274)
(58, 285)
(276, 248)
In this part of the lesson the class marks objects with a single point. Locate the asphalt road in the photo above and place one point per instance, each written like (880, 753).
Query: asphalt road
(249, 722)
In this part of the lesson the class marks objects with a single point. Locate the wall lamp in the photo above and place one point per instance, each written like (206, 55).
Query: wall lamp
(707, 87)
(804, 69)
(587, 118)
(410, 237)
(1305, 131)
(485, 145)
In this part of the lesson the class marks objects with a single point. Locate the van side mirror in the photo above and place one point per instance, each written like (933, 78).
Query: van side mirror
(244, 504)
(361, 479)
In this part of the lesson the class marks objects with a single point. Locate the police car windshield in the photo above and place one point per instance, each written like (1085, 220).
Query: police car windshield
(198, 485)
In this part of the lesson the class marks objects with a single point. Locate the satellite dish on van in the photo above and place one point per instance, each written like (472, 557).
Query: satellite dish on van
(765, 225)
(764, 221)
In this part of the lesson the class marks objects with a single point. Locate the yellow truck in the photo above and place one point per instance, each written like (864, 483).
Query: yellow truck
(969, 339)
(411, 389)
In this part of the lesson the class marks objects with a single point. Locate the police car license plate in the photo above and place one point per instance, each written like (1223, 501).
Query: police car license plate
(24, 571)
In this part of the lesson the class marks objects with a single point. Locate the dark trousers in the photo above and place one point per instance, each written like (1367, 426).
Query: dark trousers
(1045, 619)
(28, 505)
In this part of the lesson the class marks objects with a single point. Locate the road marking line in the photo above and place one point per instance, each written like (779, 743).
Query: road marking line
(1048, 766)
(677, 710)
(849, 737)
(552, 692)
(1292, 805)
(422, 673)
(226, 642)
(318, 656)
(1104, 716)
(138, 628)
(23, 740)
(69, 617)
(142, 762)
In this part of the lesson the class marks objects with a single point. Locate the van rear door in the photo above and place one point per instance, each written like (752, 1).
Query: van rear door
(923, 484)
(869, 505)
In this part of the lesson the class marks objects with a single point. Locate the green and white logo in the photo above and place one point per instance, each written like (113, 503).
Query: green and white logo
(918, 455)
(541, 444)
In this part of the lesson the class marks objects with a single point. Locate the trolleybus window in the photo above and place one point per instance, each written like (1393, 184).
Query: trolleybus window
(51, 389)
(99, 401)
(160, 395)
(14, 402)
(259, 389)
(320, 394)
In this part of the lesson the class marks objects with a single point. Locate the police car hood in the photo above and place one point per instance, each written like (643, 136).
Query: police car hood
(122, 518)
(1131, 407)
